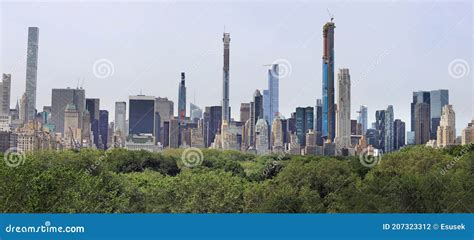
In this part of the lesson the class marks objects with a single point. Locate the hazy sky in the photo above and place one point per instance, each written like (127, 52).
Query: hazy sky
(392, 48)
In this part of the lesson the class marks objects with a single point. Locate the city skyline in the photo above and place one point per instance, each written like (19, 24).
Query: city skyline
(288, 102)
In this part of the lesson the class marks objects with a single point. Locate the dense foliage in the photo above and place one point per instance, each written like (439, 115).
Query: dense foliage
(415, 180)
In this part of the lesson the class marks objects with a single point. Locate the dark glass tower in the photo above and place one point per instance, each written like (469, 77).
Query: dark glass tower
(328, 121)
(92, 105)
(304, 122)
(141, 115)
(104, 127)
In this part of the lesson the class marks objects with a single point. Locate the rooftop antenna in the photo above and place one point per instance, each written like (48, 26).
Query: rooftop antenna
(330, 14)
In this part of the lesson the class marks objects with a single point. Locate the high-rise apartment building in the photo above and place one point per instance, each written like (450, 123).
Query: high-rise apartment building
(31, 74)
(446, 133)
(389, 130)
(182, 99)
(343, 132)
(225, 78)
(329, 116)
(5, 90)
(380, 128)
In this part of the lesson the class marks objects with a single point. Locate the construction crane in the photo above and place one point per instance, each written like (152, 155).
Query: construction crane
(330, 14)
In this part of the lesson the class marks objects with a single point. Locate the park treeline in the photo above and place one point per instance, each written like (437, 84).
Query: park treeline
(412, 180)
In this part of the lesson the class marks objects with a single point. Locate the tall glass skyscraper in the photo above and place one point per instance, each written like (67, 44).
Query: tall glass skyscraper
(266, 105)
(141, 115)
(31, 72)
(304, 122)
(329, 121)
(438, 99)
(273, 92)
(362, 118)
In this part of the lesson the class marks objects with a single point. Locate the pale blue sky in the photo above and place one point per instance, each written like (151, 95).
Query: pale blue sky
(392, 48)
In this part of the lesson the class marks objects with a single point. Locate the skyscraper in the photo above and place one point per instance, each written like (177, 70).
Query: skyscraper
(418, 97)
(93, 106)
(225, 81)
(319, 122)
(103, 128)
(5, 90)
(422, 122)
(438, 99)
(165, 108)
(446, 133)
(277, 135)
(195, 112)
(362, 118)
(120, 117)
(214, 114)
(380, 127)
(261, 136)
(182, 99)
(329, 123)
(31, 73)
(266, 106)
(60, 98)
(304, 122)
(273, 92)
(141, 115)
(343, 132)
(256, 113)
(389, 128)
(245, 112)
(399, 134)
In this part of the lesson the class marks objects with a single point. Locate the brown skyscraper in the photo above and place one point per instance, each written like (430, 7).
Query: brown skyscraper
(422, 123)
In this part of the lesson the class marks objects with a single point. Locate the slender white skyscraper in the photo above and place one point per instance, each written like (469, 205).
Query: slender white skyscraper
(225, 81)
(31, 71)
(343, 132)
